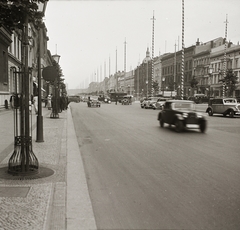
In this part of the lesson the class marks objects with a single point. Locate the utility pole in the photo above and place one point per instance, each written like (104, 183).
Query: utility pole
(125, 44)
(182, 77)
(225, 57)
(175, 64)
(152, 90)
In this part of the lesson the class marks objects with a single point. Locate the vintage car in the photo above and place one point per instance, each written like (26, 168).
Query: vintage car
(148, 102)
(143, 103)
(93, 102)
(159, 103)
(74, 98)
(127, 100)
(224, 106)
(182, 114)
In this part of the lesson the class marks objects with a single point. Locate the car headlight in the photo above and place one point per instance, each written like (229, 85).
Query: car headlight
(199, 115)
(185, 115)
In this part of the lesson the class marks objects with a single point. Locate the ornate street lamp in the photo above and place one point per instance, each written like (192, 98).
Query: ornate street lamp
(210, 71)
(147, 88)
(39, 136)
(163, 86)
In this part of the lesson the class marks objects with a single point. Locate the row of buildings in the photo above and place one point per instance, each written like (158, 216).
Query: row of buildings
(203, 62)
(12, 61)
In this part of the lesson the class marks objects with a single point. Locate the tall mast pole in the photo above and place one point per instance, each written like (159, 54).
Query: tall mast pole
(175, 64)
(125, 44)
(225, 57)
(182, 77)
(152, 90)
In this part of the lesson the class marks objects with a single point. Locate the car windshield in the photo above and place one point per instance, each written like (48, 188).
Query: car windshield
(183, 105)
(230, 101)
(94, 97)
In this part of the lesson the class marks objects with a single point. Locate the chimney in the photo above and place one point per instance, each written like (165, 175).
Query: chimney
(197, 43)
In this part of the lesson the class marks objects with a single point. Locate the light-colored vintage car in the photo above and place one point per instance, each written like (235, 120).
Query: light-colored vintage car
(225, 106)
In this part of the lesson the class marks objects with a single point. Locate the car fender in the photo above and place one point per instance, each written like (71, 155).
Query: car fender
(159, 115)
(208, 109)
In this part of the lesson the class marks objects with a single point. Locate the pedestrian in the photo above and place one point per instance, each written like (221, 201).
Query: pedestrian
(35, 104)
(46, 101)
(49, 102)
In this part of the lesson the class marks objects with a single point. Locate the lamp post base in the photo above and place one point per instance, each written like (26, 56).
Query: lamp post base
(39, 129)
(23, 161)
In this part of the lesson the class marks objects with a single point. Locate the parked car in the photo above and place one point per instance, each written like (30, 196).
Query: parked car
(142, 99)
(143, 103)
(224, 106)
(199, 98)
(182, 114)
(159, 103)
(150, 102)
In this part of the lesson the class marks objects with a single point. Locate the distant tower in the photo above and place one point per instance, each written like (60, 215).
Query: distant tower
(152, 90)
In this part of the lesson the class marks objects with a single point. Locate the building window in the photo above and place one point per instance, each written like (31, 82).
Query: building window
(5, 77)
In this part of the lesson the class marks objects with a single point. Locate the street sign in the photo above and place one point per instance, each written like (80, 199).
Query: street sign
(49, 73)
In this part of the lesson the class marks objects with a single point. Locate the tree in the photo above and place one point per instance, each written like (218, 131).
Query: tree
(230, 81)
(155, 86)
(194, 82)
(171, 84)
(13, 13)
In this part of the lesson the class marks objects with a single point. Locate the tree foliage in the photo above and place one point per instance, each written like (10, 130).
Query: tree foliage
(155, 86)
(13, 12)
(194, 82)
(230, 81)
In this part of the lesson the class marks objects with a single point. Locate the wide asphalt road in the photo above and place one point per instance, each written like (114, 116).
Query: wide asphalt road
(141, 176)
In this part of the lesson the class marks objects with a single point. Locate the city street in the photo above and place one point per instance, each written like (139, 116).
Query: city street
(141, 176)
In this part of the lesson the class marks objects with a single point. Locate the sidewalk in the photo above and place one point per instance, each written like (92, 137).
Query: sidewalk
(58, 197)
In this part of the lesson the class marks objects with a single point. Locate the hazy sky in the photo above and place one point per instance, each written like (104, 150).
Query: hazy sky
(87, 33)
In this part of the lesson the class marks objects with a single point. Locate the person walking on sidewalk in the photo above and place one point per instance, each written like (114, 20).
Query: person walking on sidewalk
(35, 104)
(49, 102)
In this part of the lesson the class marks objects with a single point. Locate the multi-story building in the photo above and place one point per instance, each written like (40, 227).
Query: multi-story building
(143, 77)
(126, 82)
(5, 41)
(232, 53)
(201, 64)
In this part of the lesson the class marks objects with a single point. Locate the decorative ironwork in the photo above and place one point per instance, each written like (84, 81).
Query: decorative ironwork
(23, 161)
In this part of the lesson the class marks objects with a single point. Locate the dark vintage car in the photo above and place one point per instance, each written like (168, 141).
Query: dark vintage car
(127, 100)
(182, 114)
(74, 98)
(93, 102)
(224, 106)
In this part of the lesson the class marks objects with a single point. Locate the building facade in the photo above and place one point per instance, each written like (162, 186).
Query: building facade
(5, 41)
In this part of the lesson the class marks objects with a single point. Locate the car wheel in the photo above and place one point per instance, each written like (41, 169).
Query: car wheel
(203, 126)
(178, 126)
(231, 113)
(210, 112)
